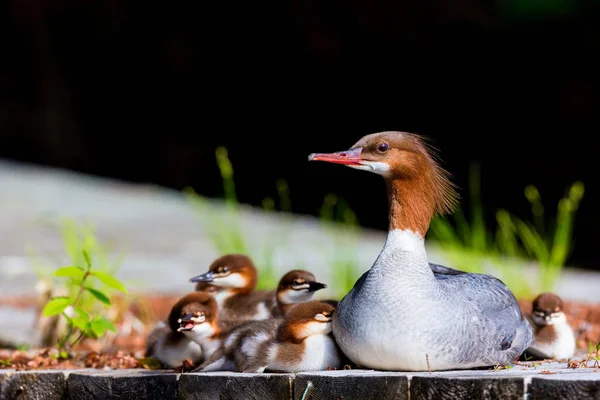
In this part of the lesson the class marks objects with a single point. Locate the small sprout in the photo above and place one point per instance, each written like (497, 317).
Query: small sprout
(77, 309)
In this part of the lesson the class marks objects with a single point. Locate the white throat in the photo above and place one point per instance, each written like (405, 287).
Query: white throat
(292, 296)
(221, 296)
(233, 280)
(403, 250)
(377, 167)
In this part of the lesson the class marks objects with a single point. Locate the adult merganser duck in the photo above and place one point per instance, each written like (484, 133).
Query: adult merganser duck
(299, 341)
(231, 279)
(404, 313)
(553, 336)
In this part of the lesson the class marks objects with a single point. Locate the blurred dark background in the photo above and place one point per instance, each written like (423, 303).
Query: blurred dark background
(146, 92)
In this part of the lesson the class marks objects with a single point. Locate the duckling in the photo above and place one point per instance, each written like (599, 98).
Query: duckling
(299, 341)
(553, 336)
(195, 316)
(232, 280)
(168, 345)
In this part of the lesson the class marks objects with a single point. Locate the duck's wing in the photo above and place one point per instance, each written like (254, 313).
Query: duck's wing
(486, 296)
(440, 270)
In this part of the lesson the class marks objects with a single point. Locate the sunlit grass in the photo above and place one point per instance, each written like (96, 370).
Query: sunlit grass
(511, 244)
(343, 256)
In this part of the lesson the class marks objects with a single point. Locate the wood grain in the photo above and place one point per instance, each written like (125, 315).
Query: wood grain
(136, 385)
(467, 388)
(350, 387)
(33, 386)
(565, 389)
(235, 386)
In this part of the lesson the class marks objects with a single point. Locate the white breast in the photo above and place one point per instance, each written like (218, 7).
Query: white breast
(174, 354)
(563, 347)
(320, 353)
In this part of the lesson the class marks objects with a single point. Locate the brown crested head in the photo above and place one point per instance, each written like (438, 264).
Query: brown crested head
(233, 271)
(193, 308)
(306, 319)
(299, 280)
(413, 174)
(547, 303)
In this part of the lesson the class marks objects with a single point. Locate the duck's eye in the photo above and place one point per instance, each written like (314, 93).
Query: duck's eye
(383, 147)
(297, 282)
(225, 269)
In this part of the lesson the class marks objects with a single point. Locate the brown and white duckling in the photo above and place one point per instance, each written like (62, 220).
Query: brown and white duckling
(553, 336)
(171, 347)
(300, 341)
(195, 316)
(232, 279)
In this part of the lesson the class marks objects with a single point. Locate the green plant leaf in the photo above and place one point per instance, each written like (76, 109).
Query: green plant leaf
(100, 325)
(86, 256)
(99, 295)
(82, 313)
(79, 323)
(109, 281)
(71, 271)
(56, 305)
(80, 320)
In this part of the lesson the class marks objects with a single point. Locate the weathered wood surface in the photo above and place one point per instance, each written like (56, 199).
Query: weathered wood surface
(467, 388)
(350, 385)
(32, 386)
(550, 381)
(227, 386)
(122, 384)
(576, 386)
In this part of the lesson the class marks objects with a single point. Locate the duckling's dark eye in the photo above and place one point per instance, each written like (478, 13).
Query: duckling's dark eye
(225, 269)
(297, 282)
(382, 147)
